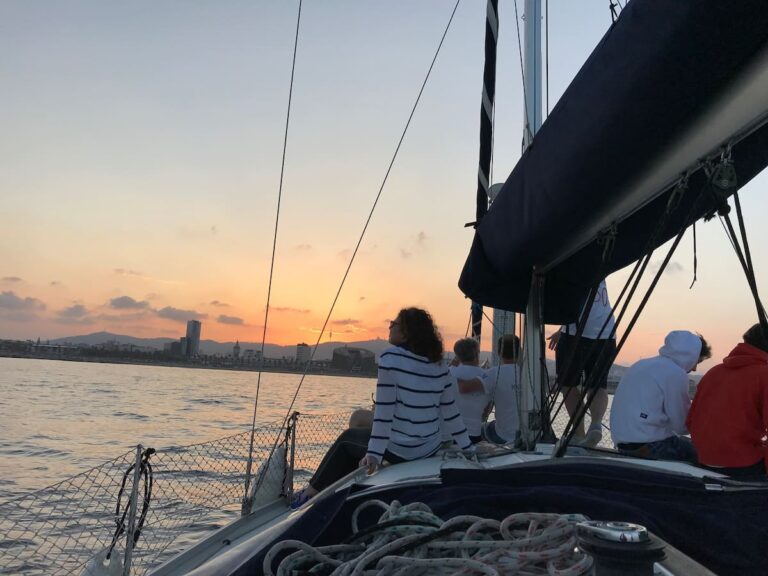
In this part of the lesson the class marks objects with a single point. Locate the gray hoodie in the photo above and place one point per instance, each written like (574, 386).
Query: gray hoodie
(652, 401)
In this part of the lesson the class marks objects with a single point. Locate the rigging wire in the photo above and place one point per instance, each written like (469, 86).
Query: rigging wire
(249, 464)
(365, 226)
(528, 133)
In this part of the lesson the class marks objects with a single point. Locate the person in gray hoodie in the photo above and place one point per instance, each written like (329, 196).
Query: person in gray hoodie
(651, 402)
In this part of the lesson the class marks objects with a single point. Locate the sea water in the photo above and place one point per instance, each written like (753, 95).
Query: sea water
(58, 418)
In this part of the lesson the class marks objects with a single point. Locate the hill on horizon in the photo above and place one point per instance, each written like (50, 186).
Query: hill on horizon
(212, 347)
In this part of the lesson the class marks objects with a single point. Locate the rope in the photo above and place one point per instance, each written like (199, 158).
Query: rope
(145, 470)
(365, 226)
(528, 133)
(411, 539)
(249, 464)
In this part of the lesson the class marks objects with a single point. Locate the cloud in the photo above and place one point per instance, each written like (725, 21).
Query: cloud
(11, 280)
(75, 314)
(9, 301)
(232, 320)
(122, 318)
(219, 304)
(124, 272)
(303, 247)
(127, 303)
(345, 322)
(178, 315)
(289, 309)
(18, 316)
(74, 311)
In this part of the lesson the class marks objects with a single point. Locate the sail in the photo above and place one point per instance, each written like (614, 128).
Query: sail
(670, 84)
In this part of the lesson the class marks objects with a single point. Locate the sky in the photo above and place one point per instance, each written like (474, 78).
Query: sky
(141, 158)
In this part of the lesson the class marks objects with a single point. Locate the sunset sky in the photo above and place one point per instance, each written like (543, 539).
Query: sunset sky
(140, 165)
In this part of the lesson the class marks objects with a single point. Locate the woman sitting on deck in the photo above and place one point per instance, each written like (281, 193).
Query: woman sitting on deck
(413, 392)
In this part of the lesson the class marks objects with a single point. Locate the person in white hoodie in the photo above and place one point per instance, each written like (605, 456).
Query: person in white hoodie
(651, 402)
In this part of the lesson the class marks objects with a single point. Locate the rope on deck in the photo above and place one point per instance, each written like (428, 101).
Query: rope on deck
(411, 539)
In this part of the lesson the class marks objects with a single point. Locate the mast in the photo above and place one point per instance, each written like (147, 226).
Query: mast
(533, 376)
(486, 134)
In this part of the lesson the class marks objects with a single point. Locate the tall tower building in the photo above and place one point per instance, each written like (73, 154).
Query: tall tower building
(236, 350)
(303, 353)
(193, 337)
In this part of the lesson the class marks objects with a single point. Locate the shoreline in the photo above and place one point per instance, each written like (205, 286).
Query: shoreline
(171, 364)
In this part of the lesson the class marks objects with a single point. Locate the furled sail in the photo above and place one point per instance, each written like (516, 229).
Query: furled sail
(671, 87)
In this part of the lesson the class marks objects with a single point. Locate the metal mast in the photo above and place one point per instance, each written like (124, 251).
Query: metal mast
(533, 376)
(486, 134)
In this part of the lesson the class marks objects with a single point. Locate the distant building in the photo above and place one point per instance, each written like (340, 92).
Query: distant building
(251, 355)
(236, 350)
(303, 353)
(193, 337)
(353, 359)
(183, 346)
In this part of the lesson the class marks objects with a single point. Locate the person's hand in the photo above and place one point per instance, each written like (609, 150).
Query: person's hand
(370, 463)
(553, 339)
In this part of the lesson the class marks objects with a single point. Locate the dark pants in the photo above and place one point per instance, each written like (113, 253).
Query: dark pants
(583, 355)
(344, 457)
(672, 448)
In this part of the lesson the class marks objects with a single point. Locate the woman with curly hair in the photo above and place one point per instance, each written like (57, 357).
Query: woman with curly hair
(414, 394)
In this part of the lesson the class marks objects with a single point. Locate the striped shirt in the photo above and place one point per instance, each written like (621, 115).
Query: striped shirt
(412, 394)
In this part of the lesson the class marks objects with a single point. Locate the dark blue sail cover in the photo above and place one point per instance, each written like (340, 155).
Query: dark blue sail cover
(653, 75)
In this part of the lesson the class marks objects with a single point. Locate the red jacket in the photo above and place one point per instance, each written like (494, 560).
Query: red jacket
(728, 419)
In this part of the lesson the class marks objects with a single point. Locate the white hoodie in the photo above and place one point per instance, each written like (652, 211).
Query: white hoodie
(652, 401)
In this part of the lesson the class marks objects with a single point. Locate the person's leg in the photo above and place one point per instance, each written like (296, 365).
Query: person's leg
(597, 352)
(567, 364)
(341, 459)
(572, 396)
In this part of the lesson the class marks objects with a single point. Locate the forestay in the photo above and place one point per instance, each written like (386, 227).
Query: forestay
(671, 89)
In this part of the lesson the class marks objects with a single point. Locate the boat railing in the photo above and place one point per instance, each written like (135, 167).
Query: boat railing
(70, 527)
(181, 494)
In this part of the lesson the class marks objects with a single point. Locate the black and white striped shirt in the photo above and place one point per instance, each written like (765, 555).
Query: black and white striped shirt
(411, 395)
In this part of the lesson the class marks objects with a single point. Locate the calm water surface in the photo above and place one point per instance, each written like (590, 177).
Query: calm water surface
(58, 418)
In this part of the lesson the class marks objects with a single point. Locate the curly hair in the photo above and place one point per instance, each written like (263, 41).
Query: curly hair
(420, 332)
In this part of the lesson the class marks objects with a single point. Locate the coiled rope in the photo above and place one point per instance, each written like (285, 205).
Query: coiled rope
(411, 539)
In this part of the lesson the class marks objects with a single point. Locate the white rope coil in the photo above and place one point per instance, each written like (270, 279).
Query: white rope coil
(411, 540)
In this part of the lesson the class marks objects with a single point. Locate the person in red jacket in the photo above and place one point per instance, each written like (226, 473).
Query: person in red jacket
(728, 419)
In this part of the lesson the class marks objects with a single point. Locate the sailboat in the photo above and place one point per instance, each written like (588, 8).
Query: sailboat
(662, 125)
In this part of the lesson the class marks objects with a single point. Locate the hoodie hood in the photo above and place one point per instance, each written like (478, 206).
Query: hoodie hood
(745, 355)
(683, 348)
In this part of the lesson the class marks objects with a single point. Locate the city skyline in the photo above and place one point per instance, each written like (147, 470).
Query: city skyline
(142, 154)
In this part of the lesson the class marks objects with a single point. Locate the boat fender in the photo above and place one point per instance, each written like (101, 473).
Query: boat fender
(271, 486)
(99, 565)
